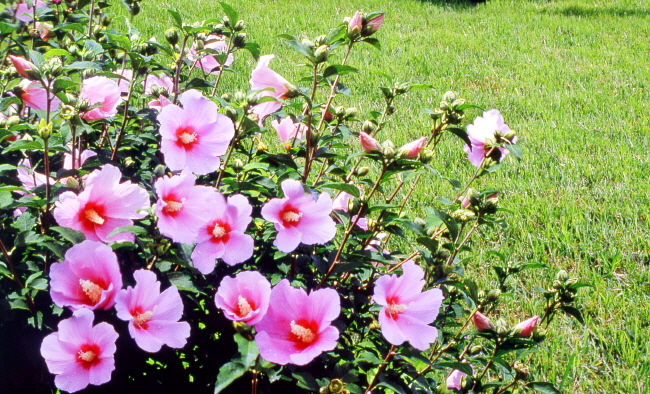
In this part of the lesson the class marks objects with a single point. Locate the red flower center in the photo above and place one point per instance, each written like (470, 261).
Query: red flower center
(220, 232)
(187, 137)
(290, 216)
(87, 355)
(244, 306)
(92, 215)
(172, 205)
(303, 333)
(394, 309)
(92, 290)
(140, 318)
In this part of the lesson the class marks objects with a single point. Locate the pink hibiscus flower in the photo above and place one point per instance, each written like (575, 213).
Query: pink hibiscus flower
(24, 13)
(223, 236)
(298, 218)
(30, 180)
(153, 316)
(103, 92)
(123, 83)
(104, 205)
(527, 326)
(297, 327)
(413, 148)
(245, 297)
(287, 130)
(194, 136)
(483, 136)
(35, 96)
(182, 206)
(209, 63)
(368, 143)
(164, 82)
(21, 65)
(407, 311)
(80, 159)
(80, 354)
(263, 78)
(89, 277)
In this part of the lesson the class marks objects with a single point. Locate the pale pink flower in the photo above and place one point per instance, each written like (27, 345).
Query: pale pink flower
(368, 143)
(182, 206)
(245, 297)
(223, 236)
(298, 218)
(89, 277)
(80, 354)
(159, 103)
(481, 322)
(103, 92)
(355, 25)
(263, 77)
(454, 380)
(80, 159)
(30, 180)
(209, 63)
(153, 316)
(104, 205)
(125, 82)
(407, 311)
(483, 136)
(413, 148)
(26, 14)
(163, 82)
(194, 136)
(22, 65)
(35, 96)
(288, 131)
(527, 326)
(341, 204)
(370, 26)
(297, 326)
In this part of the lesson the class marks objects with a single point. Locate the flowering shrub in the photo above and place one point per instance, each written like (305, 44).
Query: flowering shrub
(158, 231)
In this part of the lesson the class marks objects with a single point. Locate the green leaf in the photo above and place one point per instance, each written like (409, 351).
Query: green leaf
(5, 102)
(128, 229)
(302, 49)
(56, 52)
(451, 224)
(25, 222)
(429, 243)
(178, 21)
(306, 381)
(248, 351)
(462, 367)
(532, 266)
(6, 28)
(374, 42)
(228, 373)
(70, 235)
(465, 106)
(392, 386)
(6, 199)
(78, 27)
(338, 69)
(515, 150)
(253, 48)
(421, 86)
(543, 387)
(183, 281)
(344, 187)
(336, 34)
(120, 40)
(83, 66)
(23, 145)
(575, 312)
(580, 285)
(230, 12)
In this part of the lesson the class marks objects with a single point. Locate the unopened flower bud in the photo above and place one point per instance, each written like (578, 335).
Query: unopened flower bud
(526, 327)
(231, 112)
(134, 9)
(336, 386)
(322, 53)
(539, 335)
(426, 155)
(13, 120)
(571, 281)
(449, 96)
(493, 295)
(129, 162)
(457, 103)
(171, 35)
(199, 45)
(239, 26)
(72, 183)
(225, 21)
(562, 276)
(34, 74)
(353, 206)
(473, 196)
(474, 350)
(351, 112)
(521, 371)
(368, 127)
(362, 171)
(159, 170)
(308, 43)
(355, 25)
(261, 146)
(320, 40)
(482, 322)
(420, 222)
(339, 111)
(240, 40)
(466, 383)
(242, 328)
(68, 111)
(463, 215)
(45, 129)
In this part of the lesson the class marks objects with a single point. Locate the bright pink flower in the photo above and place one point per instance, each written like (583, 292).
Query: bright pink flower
(341, 204)
(103, 92)
(80, 159)
(482, 135)
(182, 206)
(124, 83)
(209, 63)
(22, 65)
(194, 136)
(481, 322)
(368, 143)
(454, 380)
(80, 354)
(153, 316)
(35, 96)
(89, 277)
(159, 103)
(298, 218)
(163, 82)
(244, 297)
(263, 78)
(287, 130)
(372, 25)
(223, 236)
(104, 205)
(297, 327)
(25, 14)
(413, 148)
(527, 326)
(407, 311)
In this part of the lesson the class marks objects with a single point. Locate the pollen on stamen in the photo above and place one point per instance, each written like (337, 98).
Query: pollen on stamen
(244, 306)
(395, 309)
(291, 217)
(93, 216)
(304, 334)
(219, 231)
(141, 320)
(87, 356)
(187, 138)
(92, 290)
(173, 206)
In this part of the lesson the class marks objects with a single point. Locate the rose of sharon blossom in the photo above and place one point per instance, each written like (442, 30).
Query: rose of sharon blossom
(341, 204)
(89, 277)
(298, 218)
(407, 311)
(194, 136)
(163, 82)
(223, 237)
(481, 322)
(103, 92)
(527, 326)
(263, 77)
(182, 206)
(104, 205)
(209, 63)
(287, 130)
(454, 380)
(153, 316)
(80, 354)
(297, 327)
(30, 180)
(80, 159)
(413, 148)
(125, 82)
(245, 297)
(483, 134)
(21, 65)
(26, 14)
(368, 143)
(35, 96)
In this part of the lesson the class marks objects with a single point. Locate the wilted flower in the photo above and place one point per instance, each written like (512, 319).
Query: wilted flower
(103, 92)
(104, 205)
(194, 136)
(297, 327)
(89, 277)
(407, 311)
(413, 148)
(222, 235)
(368, 143)
(245, 297)
(287, 130)
(526, 327)
(484, 134)
(30, 180)
(263, 77)
(153, 316)
(80, 354)
(298, 218)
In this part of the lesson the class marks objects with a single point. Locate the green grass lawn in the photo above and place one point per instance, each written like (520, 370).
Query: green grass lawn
(573, 78)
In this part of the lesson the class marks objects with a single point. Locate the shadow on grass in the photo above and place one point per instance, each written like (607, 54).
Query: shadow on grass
(592, 12)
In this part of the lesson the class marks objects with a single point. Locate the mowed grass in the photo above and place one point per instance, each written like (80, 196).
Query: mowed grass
(572, 77)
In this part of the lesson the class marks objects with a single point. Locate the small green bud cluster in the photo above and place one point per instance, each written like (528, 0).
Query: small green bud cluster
(450, 110)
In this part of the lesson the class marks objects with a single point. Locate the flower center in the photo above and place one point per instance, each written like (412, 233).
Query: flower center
(140, 320)
(92, 290)
(187, 138)
(93, 216)
(290, 216)
(87, 356)
(173, 206)
(396, 309)
(219, 231)
(303, 334)
(244, 306)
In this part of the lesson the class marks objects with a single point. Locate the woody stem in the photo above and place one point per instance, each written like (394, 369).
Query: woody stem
(381, 369)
